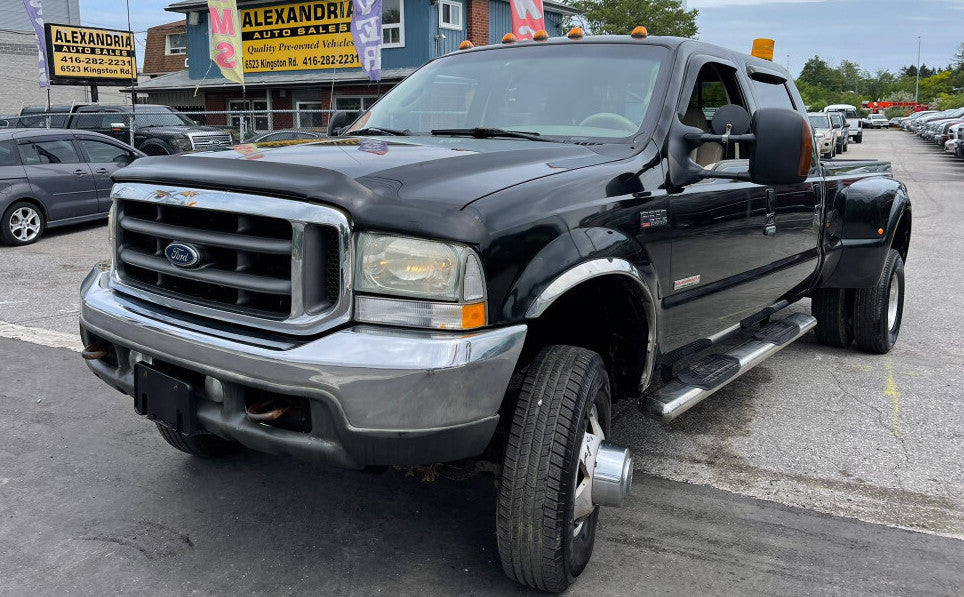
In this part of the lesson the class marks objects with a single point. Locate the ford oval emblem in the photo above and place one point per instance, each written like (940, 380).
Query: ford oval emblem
(182, 255)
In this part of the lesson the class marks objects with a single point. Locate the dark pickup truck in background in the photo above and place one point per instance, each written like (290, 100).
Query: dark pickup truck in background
(511, 240)
(158, 130)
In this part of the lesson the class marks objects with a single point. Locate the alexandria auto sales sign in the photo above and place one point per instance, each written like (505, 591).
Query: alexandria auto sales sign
(303, 36)
(89, 55)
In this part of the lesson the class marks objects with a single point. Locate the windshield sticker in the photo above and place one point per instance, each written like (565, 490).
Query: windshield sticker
(376, 146)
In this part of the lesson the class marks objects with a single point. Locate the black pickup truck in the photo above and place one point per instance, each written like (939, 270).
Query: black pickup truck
(510, 241)
(158, 130)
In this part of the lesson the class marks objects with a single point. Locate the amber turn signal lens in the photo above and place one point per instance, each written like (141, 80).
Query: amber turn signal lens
(473, 316)
(575, 33)
(880, 231)
(541, 35)
(466, 45)
(639, 33)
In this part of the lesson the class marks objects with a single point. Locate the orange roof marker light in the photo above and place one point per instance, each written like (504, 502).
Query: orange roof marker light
(466, 45)
(575, 33)
(763, 48)
(541, 35)
(508, 38)
(639, 33)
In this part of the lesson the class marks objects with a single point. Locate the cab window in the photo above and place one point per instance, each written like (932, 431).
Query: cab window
(716, 86)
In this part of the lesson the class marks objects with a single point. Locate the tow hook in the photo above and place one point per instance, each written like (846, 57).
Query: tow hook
(269, 410)
(96, 351)
(612, 476)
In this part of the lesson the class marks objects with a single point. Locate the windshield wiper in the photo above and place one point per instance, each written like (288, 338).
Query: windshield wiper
(377, 130)
(486, 133)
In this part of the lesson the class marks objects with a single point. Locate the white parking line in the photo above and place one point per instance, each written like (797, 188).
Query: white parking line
(41, 336)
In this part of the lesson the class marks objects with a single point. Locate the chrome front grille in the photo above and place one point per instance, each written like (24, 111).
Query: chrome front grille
(271, 263)
(202, 141)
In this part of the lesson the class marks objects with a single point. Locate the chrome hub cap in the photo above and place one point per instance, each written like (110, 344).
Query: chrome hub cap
(893, 302)
(583, 503)
(24, 224)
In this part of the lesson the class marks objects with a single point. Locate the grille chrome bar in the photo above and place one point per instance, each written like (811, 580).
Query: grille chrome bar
(207, 237)
(242, 237)
(224, 278)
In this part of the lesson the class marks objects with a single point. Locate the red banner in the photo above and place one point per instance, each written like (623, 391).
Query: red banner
(527, 18)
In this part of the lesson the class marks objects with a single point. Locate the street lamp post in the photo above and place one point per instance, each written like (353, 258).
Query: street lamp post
(917, 83)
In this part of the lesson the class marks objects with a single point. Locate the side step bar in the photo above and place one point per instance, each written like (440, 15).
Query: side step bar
(702, 379)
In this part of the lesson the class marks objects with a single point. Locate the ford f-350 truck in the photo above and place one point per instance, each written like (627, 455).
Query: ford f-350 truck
(509, 242)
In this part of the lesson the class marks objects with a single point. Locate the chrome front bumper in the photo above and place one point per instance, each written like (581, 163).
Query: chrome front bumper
(377, 396)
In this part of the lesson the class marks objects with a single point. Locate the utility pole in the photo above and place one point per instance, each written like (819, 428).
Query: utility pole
(917, 84)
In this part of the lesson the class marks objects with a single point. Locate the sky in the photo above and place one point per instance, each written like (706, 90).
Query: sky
(876, 34)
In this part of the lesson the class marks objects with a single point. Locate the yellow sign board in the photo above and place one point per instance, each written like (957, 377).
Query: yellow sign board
(302, 36)
(90, 55)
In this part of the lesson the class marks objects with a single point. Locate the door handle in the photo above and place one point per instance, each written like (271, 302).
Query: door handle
(81, 172)
(770, 227)
(101, 171)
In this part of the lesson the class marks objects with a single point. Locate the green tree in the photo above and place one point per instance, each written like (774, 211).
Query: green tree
(619, 17)
(817, 73)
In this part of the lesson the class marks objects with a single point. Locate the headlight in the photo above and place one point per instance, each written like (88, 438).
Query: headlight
(181, 144)
(406, 267)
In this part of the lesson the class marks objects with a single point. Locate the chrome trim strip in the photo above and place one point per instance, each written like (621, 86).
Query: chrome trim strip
(594, 269)
(299, 213)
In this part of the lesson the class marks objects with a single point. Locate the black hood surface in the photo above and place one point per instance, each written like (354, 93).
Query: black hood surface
(418, 185)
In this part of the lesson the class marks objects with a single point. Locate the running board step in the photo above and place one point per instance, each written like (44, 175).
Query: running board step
(703, 378)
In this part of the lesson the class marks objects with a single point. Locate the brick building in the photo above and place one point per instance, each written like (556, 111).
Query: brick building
(413, 32)
(18, 59)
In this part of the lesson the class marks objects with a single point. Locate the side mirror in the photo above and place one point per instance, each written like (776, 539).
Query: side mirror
(118, 126)
(783, 150)
(337, 122)
(780, 146)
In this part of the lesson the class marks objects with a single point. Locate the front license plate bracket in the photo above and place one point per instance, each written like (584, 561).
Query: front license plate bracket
(165, 399)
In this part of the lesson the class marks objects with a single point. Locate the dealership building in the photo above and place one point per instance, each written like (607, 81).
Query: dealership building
(282, 76)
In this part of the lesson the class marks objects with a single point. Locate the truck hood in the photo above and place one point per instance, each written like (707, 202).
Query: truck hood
(176, 131)
(454, 170)
(419, 185)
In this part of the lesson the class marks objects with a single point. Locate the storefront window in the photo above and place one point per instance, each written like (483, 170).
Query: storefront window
(393, 25)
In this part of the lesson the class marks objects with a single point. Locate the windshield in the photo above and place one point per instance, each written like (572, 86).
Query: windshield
(578, 91)
(159, 116)
(819, 121)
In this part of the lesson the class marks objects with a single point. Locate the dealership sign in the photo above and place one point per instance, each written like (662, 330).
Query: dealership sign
(303, 36)
(89, 55)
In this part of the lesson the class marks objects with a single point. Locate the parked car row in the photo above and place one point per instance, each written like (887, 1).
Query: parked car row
(944, 129)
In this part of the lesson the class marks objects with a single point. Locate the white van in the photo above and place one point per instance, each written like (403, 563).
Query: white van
(856, 132)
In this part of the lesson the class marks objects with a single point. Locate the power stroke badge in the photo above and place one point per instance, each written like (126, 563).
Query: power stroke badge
(686, 282)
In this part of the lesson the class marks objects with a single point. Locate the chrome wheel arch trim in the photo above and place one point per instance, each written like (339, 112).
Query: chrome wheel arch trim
(596, 268)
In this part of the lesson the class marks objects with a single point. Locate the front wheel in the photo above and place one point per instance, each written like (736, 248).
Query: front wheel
(545, 517)
(859, 138)
(878, 310)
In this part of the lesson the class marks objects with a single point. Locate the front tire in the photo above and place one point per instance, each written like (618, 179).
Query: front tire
(545, 531)
(878, 310)
(23, 223)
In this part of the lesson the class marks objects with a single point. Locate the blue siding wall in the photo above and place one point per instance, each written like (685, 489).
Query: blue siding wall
(500, 21)
(421, 25)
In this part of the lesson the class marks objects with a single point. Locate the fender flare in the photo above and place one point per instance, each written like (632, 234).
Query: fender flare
(855, 258)
(595, 268)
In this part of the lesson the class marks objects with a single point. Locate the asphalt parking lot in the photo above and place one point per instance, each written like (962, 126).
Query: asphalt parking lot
(822, 471)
